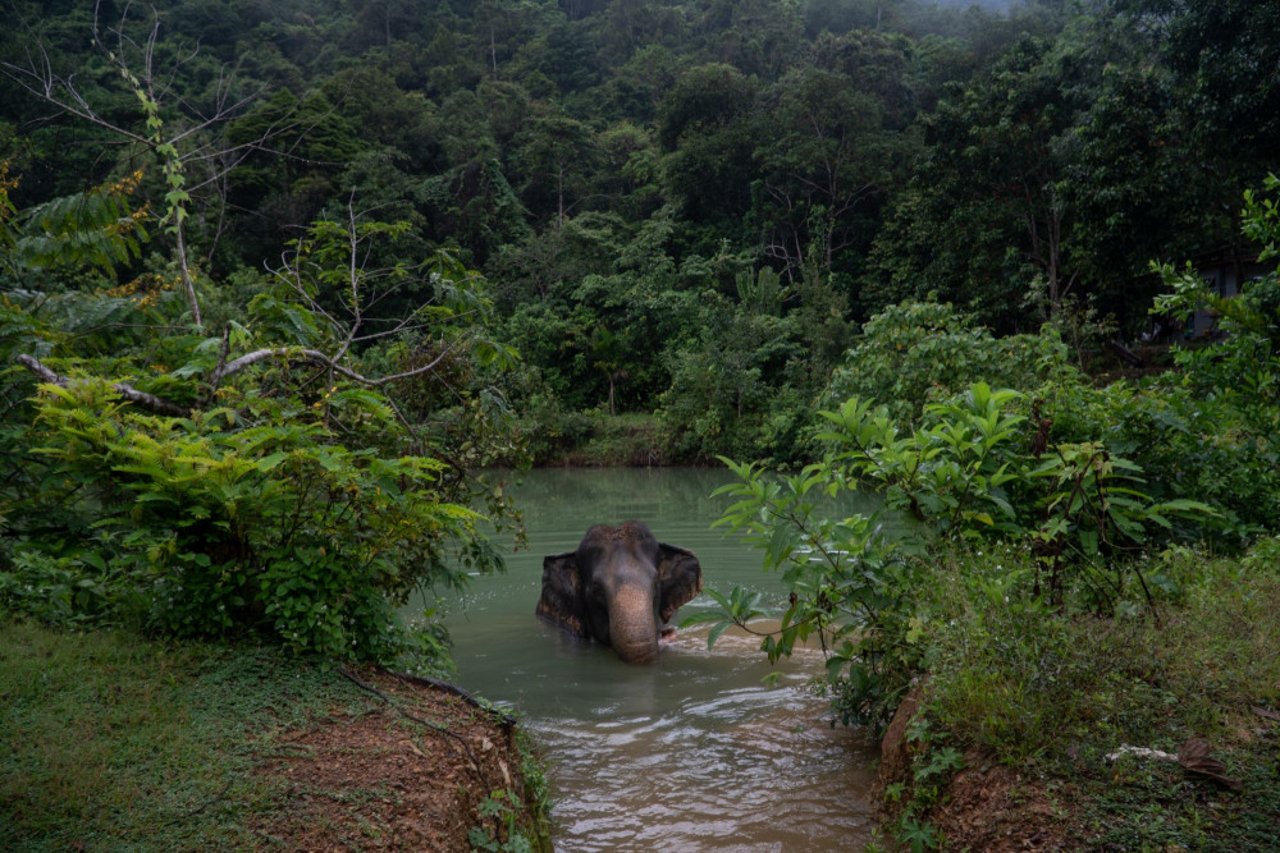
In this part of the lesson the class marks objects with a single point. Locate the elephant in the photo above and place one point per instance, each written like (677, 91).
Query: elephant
(619, 588)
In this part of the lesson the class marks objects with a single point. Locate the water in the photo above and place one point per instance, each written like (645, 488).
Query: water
(691, 753)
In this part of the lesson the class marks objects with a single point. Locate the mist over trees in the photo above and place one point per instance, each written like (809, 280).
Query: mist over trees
(681, 207)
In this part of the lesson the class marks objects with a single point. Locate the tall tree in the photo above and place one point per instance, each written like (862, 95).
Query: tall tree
(987, 209)
(824, 155)
(555, 155)
(706, 132)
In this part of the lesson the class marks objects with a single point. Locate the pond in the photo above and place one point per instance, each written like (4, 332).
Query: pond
(691, 753)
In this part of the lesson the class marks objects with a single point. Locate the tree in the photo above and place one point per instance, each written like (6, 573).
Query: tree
(823, 155)
(219, 494)
(705, 131)
(179, 142)
(988, 208)
(556, 154)
(299, 147)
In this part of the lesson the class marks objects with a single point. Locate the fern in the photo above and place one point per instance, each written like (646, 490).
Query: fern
(96, 228)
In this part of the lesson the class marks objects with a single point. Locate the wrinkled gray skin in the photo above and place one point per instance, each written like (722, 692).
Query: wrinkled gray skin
(619, 588)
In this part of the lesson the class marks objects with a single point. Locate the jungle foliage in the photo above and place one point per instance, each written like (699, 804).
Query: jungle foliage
(266, 479)
(1044, 552)
(282, 278)
(1078, 484)
(686, 208)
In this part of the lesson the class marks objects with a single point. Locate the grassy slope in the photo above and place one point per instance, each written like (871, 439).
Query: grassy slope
(111, 742)
(1051, 696)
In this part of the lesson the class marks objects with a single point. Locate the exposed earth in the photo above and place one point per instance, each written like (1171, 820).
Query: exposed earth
(422, 772)
(990, 806)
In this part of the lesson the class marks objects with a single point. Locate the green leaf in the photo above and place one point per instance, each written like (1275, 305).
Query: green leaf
(716, 631)
(267, 463)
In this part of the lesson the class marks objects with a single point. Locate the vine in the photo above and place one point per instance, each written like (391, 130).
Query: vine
(176, 195)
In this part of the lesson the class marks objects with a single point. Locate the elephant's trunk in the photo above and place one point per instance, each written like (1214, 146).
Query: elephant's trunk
(633, 629)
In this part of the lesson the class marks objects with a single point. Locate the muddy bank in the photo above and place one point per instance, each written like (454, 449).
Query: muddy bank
(424, 769)
(1232, 796)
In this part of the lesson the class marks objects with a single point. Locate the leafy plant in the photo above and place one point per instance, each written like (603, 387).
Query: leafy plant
(271, 527)
(912, 354)
(99, 228)
(503, 808)
(918, 835)
(212, 491)
(965, 475)
(845, 577)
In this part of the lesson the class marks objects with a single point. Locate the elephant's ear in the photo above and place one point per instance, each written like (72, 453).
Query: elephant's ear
(561, 600)
(679, 579)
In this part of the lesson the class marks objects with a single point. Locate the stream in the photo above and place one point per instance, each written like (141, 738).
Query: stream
(691, 753)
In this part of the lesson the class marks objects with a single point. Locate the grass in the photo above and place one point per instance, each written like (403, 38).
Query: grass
(110, 742)
(1155, 806)
(1053, 694)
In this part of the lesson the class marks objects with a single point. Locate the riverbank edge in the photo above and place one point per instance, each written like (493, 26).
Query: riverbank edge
(114, 740)
(1032, 805)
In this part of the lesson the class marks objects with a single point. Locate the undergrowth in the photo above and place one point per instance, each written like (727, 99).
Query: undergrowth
(1054, 694)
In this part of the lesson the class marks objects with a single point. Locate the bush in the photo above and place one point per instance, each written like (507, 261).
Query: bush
(915, 353)
(967, 474)
(1020, 682)
(272, 527)
(730, 392)
(210, 489)
(1188, 442)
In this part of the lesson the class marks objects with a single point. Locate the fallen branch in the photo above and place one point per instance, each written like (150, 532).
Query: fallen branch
(124, 389)
(1126, 355)
(1266, 714)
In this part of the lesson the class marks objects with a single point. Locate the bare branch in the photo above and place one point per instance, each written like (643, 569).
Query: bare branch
(316, 357)
(227, 368)
(124, 389)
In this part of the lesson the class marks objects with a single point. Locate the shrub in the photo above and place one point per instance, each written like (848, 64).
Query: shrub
(212, 490)
(272, 527)
(965, 475)
(915, 353)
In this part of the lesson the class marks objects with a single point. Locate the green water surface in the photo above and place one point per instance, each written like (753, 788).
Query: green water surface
(693, 752)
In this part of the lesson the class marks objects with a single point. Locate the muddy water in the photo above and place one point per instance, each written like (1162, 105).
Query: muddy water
(692, 753)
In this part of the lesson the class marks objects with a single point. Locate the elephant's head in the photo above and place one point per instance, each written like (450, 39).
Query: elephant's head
(619, 587)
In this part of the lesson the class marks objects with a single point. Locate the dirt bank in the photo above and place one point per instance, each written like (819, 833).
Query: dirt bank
(425, 769)
(1088, 802)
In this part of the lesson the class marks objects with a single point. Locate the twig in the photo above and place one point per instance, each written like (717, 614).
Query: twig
(469, 698)
(444, 730)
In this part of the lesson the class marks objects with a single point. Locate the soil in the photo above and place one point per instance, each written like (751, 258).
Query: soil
(994, 808)
(411, 774)
(986, 806)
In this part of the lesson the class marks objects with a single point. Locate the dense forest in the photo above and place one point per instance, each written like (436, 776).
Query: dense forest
(681, 208)
(347, 255)
(286, 287)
